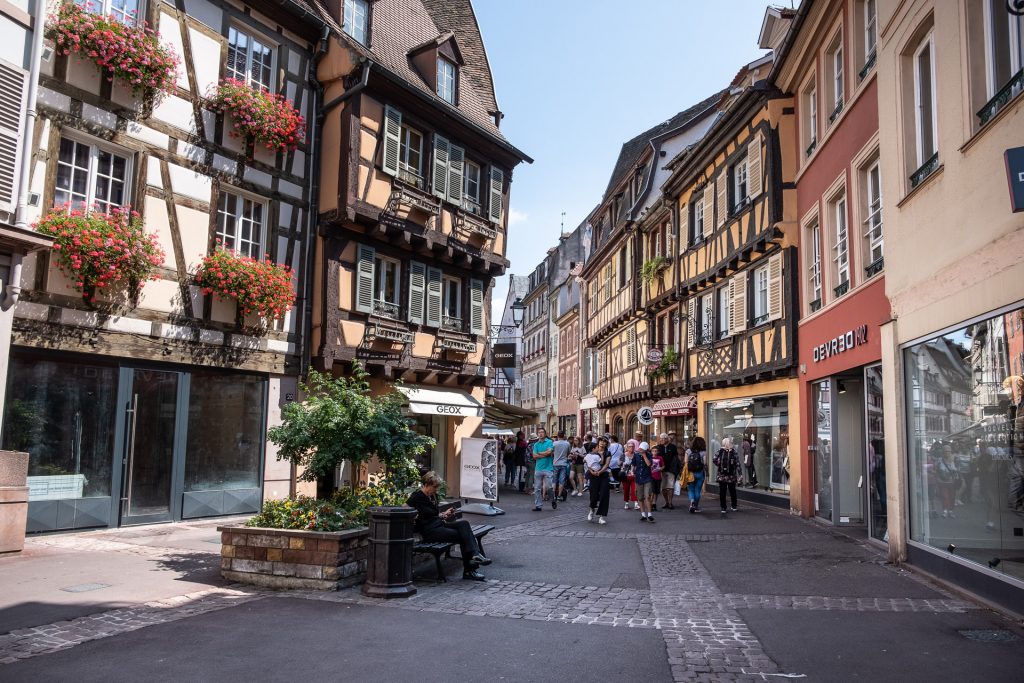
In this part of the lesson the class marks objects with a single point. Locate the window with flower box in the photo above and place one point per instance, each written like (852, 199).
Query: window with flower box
(250, 59)
(125, 11)
(89, 175)
(241, 223)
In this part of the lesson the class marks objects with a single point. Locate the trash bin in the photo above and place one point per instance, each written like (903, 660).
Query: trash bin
(389, 570)
(13, 500)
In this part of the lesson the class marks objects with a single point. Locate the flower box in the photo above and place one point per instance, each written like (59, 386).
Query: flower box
(271, 120)
(289, 558)
(260, 288)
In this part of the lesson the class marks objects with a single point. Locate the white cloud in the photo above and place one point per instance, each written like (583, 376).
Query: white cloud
(516, 217)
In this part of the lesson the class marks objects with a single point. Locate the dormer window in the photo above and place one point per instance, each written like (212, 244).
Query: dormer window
(446, 80)
(354, 22)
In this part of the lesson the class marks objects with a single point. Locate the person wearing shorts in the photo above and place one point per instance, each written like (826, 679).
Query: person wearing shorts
(644, 481)
(560, 467)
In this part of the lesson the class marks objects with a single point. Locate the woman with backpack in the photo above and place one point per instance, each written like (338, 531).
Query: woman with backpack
(727, 464)
(696, 460)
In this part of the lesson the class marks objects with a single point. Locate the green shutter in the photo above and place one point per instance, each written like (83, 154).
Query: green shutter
(434, 297)
(392, 140)
(476, 307)
(456, 164)
(442, 152)
(497, 186)
(417, 291)
(364, 279)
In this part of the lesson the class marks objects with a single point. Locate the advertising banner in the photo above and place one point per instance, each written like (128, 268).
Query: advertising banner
(479, 476)
(504, 355)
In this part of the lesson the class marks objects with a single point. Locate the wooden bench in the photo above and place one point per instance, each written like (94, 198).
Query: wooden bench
(439, 548)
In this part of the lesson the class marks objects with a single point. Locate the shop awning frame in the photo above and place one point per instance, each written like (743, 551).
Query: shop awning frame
(441, 402)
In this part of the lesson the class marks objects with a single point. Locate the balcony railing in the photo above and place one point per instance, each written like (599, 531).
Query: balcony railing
(451, 323)
(1007, 93)
(408, 175)
(385, 309)
(836, 112)
(875, 266)
(811, 147)
(868, 65)
(927, 168)
(843, 288)
(816, 305)
(472, 206)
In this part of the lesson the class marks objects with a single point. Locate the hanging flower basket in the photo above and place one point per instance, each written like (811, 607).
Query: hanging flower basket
(259, 287)
(271, 120)
(131, 54)
(103, 251)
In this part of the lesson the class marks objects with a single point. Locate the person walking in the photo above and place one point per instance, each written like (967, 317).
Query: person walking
(657, 472)
(727, 465)
(670, 475)
(696, 466)
(508, 457)
(642, 465)
(521, 446)
(543, 469)
(598, 463)
(576, 466)
(560, 468)
(627, 477)
(616, 451)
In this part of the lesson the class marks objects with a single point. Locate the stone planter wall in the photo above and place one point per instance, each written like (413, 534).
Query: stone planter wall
(286, 558)
(13, 500)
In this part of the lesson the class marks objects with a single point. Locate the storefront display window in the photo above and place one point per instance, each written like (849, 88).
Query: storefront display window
(763, 424)
(965, 424)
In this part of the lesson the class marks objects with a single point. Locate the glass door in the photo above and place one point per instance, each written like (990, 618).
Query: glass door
(151, 424)
(822, 406)
(878, 519)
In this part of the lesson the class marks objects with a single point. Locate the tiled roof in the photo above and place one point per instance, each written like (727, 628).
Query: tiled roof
(632, 149)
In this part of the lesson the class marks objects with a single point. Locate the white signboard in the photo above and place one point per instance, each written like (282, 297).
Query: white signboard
(645, 416)
(479, 476)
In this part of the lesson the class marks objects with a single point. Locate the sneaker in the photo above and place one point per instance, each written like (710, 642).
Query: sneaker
(692, 509)
(642, 518)
(651, 519)
(586, 488)
(601, 520)
(554, 503)
(473, 576)
(723, 511)
(590, 515)
(627, 507)
(636, 506)
(733, 509)
(536, 509)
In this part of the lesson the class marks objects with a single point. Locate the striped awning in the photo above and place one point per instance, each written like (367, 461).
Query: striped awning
(676, 407)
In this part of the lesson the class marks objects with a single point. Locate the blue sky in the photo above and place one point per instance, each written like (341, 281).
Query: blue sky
(577, 78)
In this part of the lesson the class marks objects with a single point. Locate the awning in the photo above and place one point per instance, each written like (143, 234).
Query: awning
(503, 414)
(588, 403)
(491, 430)
(676, 407)
(443, 402)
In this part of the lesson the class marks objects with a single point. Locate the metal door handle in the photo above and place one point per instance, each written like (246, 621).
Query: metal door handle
(132, 412)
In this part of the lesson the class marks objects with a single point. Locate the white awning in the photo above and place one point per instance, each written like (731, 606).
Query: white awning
(443, 402)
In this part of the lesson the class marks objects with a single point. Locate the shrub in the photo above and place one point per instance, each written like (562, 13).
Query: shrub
(260, 287)
(302, 512)
(269, 119)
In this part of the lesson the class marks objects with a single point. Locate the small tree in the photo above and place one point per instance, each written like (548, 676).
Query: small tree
(340, 421)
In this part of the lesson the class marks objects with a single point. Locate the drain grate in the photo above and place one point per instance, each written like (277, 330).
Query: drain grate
(989, 635)
(85, 587)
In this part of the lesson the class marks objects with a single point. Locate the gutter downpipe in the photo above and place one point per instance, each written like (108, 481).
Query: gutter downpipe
(13, 289)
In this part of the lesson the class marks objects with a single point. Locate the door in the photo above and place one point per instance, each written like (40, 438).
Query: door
(822, 406)
(878, 518)
(151, 424)
(849, 484)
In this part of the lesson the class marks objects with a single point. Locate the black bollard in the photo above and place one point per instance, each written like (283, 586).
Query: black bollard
(389, 569)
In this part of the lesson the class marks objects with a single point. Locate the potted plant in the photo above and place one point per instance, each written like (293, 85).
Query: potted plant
(131, 54)
(652, 267)
(269, 119)
(263, 288)
(103, 251)
(669, 364)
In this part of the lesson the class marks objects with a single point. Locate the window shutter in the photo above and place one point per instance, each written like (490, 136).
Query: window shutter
(709, 210)
(476, 307)
(691, 321)
(392, 140)
(442, 153)
(631, 347)
(417, 291)
(364, 278)
(775, 287)
(497, 190)
(12, 113)
(754, 184)
(738, 303)
(456, 166)
(629, 260)
(434, 294)
(721, 198)
(684, 227)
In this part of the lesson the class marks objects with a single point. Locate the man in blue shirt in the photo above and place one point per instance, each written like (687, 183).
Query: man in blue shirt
(543, 469)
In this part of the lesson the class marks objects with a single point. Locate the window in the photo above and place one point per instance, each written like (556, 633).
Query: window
(724, 312)
(707, 318)
(452, 302)
(90, 176)
(810, 118)
(739, 184)
(250, 60)
(814, 265)
(410, 163)
(446, 80)
(623, 270)
(840, 248)
(835, 58)
(873, 232)
(924, 110)
(387, 274)
(240, 223)
(1004, 57)
(354, 21)
(761, 295)
(698, 219)
(471, 188)
(870, 30)
(125, 11)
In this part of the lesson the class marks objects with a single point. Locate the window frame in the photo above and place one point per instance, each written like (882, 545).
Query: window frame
(926, 43)
(739, 174)
(252, 37)
(870, 29)
(243, 197)
(92, 172)
(446, 67)
(353, 4)
(403, 153)
(1015, 25)
(840, 244)
(724, 311)
(379, 283)
(466, 194)
(707, 318)
(870, 242)
(761, 276)
(837, 57)
(446, 282)
(814, 275)
(697, 224)
(105, 9)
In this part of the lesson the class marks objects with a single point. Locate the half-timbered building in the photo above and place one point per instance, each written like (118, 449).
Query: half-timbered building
(733, 194)
(413, 204)
(156, 408)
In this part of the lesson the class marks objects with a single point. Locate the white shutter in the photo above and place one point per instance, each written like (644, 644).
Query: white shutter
(738, 303)
(456, 165)
(476, 307)
(434, 297)
(13, 82)
(721, 198)
(775, 287)
(709, 210)
(629, 260)
(364, 278)
(684, 227)
(417, 291)
(497, 187)
(691, 321)
(754, 184)
(631, 347)
(442, 152)
(392, 140)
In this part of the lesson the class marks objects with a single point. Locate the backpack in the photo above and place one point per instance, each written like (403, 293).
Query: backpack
(694, 463)
(726, 462)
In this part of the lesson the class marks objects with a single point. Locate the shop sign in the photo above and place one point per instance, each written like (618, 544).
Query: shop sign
(1015, 175)
(504, 355)
(843, 342)
(645, 415)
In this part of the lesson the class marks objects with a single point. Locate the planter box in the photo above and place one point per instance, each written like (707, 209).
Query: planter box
(287, 558)
(13, 501)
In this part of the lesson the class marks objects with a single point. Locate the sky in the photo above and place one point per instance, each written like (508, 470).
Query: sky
(577, 78)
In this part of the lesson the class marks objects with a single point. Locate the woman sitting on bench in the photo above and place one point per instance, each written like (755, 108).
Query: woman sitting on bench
(435, 526)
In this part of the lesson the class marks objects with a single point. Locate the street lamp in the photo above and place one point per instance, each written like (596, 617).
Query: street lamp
(518, 311)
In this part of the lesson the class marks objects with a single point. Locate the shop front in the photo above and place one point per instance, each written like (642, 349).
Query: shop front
(116, 443)
(676, 416)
